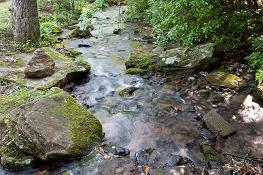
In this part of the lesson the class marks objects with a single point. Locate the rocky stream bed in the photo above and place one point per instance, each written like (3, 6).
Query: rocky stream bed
(161, 111)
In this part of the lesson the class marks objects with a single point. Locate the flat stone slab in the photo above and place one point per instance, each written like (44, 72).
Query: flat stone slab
(67, 70)
(217, 124)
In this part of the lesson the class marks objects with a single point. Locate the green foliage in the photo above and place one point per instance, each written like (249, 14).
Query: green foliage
(138, 8)
(48, 35)
(88, 11)
(4, 15)
(259, 75)
(194, 21)
(255, 60)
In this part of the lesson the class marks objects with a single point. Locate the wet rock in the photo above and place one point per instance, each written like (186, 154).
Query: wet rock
(222, 78)
(41, 65)
(128, 91)
(54, 126)
(207, 135)
(202, 83)
(116, 150)
(116, 31)
(69, 52)
(136, 71)
(153, 158)
(84, 45)
(179, 170)
(180, 60)
(217, 124)
(217, 98)
(80, 33)
(210, 153)
(204, 93)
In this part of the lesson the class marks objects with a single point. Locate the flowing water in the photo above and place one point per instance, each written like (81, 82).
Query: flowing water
(155, 116)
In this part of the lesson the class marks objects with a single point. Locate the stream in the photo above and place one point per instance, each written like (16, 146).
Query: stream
(157, 115)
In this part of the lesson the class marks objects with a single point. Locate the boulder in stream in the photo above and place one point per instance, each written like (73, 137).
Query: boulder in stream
(179, 60)
(54, 126)
(217, 124)
(81, 33)
(222, 78)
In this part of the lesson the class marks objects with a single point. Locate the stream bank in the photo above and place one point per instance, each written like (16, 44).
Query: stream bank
(160, 120)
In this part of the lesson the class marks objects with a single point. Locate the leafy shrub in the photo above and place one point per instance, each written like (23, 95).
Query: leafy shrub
(259, 75)
(194, 21)
(255, 60)
(138, 8)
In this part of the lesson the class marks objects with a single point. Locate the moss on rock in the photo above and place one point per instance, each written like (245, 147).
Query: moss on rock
(224, 79)
(127, 91)
(136, 71)
(54, 126)
(44, 124)
(56, 55)
(210, 153)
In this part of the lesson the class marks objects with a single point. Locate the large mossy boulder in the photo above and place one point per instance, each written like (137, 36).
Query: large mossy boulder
(223, 78)
(179, 60)
(44, 125)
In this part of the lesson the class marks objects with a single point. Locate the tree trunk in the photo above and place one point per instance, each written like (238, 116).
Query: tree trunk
(25, 21)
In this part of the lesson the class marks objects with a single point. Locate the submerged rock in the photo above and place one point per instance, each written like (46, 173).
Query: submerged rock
(217, 124)
(41, 65)
(128, 91)
(153, 158)
(210, 153)
(54, 126)
(116, 150)
(81, 33)
(222, 78)
(179, 60)
(116, 31)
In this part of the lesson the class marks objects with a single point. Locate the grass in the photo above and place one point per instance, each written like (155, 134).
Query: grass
(4, 15)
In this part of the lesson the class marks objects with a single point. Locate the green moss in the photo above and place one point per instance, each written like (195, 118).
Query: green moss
(127, 91)
(18, 63)
(56, 55)
(210, 153)
(136, 71)
(11, 157)
(9, 102)
(77, 33)
(85, 128)
(145, 62)
(224, 79)
(2, 63)
(85, 64)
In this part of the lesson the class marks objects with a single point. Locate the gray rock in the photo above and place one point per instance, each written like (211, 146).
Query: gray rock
(54, 127)
(180, 60)
(153, 158)
(116, 150)
(217, 124)
(41, 65)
